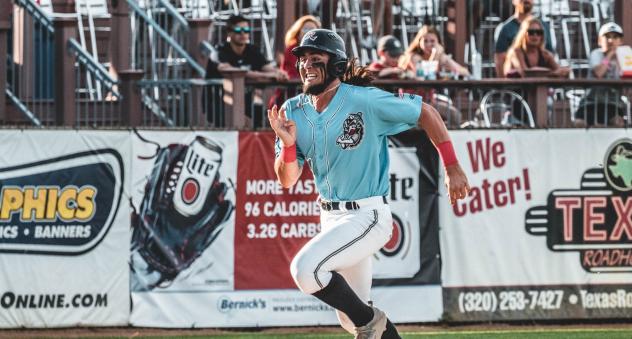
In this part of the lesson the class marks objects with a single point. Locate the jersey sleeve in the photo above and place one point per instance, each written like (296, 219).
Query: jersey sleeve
(300, 157)
(393, 112)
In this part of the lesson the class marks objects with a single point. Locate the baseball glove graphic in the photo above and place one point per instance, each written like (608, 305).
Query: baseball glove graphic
(184, 209)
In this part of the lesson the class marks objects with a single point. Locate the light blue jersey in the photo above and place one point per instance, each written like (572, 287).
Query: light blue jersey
(346, 144)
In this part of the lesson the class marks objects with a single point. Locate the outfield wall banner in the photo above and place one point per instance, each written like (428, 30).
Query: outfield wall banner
(63, 228)
(252, 254)
(546, 232)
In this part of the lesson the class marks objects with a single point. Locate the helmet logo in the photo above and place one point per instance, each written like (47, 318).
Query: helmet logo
(311, 36)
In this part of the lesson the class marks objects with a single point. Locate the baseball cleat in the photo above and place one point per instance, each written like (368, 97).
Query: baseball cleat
(375, 327)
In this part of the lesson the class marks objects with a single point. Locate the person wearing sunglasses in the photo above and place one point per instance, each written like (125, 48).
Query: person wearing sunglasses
(506, 32)
(527, 56)
(239, 53)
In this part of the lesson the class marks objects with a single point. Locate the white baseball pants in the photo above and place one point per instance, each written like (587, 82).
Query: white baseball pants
(345, 245)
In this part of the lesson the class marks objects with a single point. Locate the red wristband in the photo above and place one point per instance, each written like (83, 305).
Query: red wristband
(288, 154)
(446, 150)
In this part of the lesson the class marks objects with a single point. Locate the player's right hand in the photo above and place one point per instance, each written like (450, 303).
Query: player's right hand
(285, 129)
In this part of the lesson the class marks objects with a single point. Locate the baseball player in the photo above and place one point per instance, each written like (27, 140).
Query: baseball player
(340, 128)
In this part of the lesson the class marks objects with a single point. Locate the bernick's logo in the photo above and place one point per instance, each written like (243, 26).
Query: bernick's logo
(595, 219)
(60, 206)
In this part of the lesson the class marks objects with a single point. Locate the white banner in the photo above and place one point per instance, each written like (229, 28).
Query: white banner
(547, 208)
(183, 227)
(63, 228)
(211, 292)
(400, 257)
(258, 308)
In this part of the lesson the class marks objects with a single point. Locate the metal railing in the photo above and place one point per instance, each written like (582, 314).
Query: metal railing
(159, 42)
(100, 109)
(183, 103)
(487, 103)
(558, 103)
(30, 76)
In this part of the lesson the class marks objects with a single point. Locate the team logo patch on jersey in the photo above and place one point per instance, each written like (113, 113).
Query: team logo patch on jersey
(352, 131)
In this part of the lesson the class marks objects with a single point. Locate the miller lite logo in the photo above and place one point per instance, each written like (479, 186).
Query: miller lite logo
(400, 257)
(398, 238)
(195, 175)
(595, 219)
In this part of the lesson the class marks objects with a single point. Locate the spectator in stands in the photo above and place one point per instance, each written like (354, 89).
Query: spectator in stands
(601, 105)
(508, 30)
(426, 46)
(389, 50)
(293, 37)
(238, 53)
(528, 56)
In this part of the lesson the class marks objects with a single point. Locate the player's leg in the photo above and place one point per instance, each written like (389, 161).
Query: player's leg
(360, 278)
(346, 239)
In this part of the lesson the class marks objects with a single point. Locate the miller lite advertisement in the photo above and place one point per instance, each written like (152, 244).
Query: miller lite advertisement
(546, 231)
(399, 258)
(183, 204)
(62, 222)
(183, 198)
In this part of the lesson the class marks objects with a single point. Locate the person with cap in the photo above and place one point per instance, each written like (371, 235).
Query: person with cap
(339, 126)
(603, 106)
(603, 60)
(389, 49)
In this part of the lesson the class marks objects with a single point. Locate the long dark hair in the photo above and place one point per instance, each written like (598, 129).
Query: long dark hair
(357, 75)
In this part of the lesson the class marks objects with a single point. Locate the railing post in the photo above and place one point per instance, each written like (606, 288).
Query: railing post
(197, 109)
(387, 25)
(131, 103)
(622, 15)
(234, 98)
(285, 18)
(121, 32)
(460, 37)
(5, 24)
(198, 32)
(537, 100)
(65, 108)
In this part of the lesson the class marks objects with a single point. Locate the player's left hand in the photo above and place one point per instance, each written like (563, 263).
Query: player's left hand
(456, 183)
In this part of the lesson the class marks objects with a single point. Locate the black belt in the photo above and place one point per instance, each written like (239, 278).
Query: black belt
(338, 205)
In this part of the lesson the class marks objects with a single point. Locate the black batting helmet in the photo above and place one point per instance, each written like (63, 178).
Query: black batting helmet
(328, 41)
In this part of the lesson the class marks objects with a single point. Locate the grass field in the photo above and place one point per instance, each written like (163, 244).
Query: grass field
(559, 333)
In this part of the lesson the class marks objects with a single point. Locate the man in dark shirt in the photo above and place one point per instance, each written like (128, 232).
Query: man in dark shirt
(509, 29)
(238, 53)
